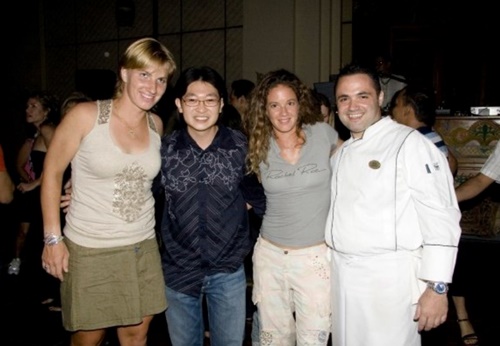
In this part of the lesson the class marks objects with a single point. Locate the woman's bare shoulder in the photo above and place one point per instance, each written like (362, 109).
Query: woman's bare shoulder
(84, 111)
(159, 123)
(80, 118)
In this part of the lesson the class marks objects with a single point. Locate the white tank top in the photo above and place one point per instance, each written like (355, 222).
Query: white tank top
(112, 203)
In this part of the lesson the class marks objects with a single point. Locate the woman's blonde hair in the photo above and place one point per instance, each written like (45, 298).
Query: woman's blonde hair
(142, 53)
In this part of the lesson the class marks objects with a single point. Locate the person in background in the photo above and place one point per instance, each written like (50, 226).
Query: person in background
(489, 173)
(231, 117)
(389, 82)
(42, 116)
(73, 99)
(325, 108)
(205, 221)
(393, 223)
(108, 260)
(7, 186)
(239, 96)
(415, 107)
(289, 150)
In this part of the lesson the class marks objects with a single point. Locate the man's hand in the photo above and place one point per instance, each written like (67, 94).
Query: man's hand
(432, 310)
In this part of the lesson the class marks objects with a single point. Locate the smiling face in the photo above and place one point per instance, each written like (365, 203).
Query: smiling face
(203, 116)
(357, 103)
(145, 86)
(282, 109)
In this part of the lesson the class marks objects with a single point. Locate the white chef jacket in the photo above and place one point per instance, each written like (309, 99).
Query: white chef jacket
(393, 201)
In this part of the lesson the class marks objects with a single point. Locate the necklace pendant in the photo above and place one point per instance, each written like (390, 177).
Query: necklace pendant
(131, 133)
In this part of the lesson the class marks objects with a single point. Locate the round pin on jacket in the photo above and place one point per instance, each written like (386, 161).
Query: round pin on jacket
(374, 164)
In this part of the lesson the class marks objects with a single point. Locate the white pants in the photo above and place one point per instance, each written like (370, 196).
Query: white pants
(292, 294)
(374, 299)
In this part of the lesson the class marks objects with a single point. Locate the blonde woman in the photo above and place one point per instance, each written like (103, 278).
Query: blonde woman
(108, 260)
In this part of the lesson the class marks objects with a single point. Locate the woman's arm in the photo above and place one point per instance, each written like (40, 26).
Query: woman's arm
(22, 158)
(64, 145)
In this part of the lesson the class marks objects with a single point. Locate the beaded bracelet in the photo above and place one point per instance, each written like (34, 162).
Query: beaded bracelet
(52, 239)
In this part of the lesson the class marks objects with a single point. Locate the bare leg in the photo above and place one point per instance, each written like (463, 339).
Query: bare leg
(22, 231)
(135, 335)
(21, 237)
(88, 337)
(466, 328)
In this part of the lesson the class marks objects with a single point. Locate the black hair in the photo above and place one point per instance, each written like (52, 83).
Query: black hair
(421, 100)
(323, 99)
(353, 68)
(204, 74)
(199, 73)
(231, 117)
(242, 87)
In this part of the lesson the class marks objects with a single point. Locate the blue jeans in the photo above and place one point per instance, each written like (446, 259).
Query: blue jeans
(255, 335)
(226, 302)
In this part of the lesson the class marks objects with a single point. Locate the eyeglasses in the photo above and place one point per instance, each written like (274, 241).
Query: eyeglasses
(192, 102)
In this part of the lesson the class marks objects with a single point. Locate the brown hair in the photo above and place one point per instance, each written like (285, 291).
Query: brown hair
(259, 126)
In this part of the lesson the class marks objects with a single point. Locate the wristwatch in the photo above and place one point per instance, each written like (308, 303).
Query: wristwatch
(438, 287)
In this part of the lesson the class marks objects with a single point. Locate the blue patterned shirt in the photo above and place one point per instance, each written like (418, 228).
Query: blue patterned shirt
(435, 138)
(204, 228)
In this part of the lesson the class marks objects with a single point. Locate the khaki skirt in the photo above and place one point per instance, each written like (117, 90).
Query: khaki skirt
(113, 286)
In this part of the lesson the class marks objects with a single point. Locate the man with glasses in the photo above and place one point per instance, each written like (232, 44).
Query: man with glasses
(205, 220)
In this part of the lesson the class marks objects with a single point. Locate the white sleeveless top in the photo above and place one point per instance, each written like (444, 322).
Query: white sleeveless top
(111, 202)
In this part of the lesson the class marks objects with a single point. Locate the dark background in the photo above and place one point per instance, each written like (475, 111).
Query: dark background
(446, 45)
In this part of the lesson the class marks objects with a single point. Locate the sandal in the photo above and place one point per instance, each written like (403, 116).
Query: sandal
(470, 339)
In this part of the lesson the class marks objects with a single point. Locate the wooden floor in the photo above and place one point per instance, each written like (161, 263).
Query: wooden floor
(25, 322)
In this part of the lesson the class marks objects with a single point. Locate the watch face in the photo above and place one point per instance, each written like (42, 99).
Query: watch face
(440, 288)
